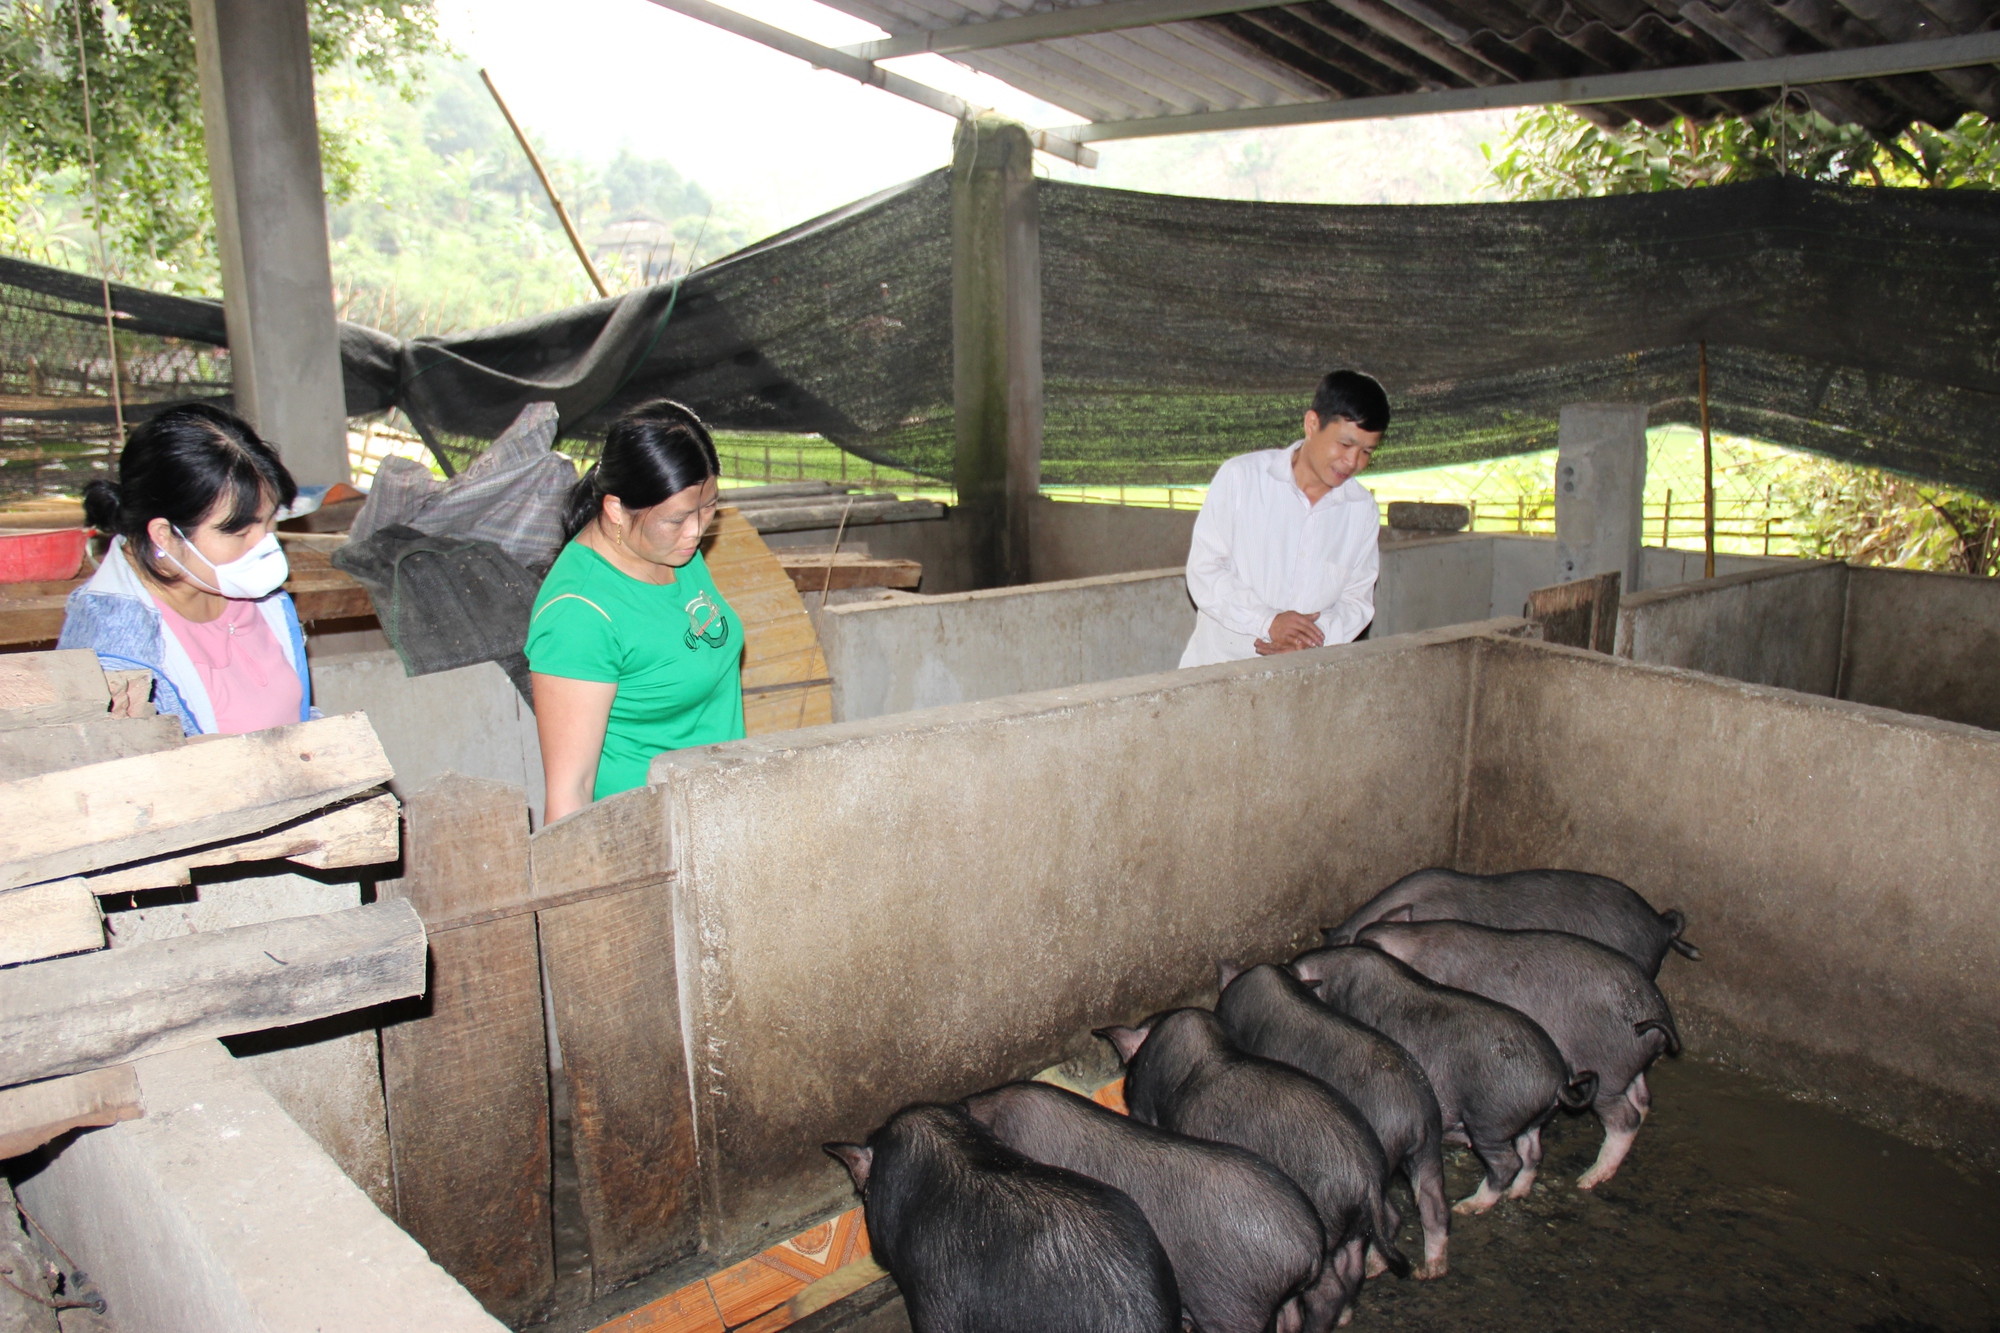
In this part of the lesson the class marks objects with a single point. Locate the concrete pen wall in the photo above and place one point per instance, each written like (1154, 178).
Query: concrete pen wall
(1834, 861)
(1912, 640)
(1923, 642)
(914, 907)
(1769, 627)
(924, 905)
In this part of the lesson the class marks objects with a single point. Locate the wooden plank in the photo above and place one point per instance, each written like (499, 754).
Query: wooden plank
(809, 516)
(68, 1015)
(43, 920)
(1582, 613)
(124, 810)
(617, 1010)
(367, 832)
(34, 1113)
(37, 689)
(319, 592)
(624, 843)
(31, 751)
(467, 1079)
(811, 574)
(31, 619)
(779, 645)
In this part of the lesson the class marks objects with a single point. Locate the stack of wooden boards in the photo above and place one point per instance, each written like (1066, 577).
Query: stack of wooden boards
(100, 797)
(32, 613)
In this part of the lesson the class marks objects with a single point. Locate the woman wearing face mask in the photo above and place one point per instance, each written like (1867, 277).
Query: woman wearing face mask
(189, 586)
(633, 650)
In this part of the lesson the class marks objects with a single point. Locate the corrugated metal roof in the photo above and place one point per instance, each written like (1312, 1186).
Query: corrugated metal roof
(1332, 50)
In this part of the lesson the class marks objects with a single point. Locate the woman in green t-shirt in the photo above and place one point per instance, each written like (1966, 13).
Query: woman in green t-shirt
(633, 650)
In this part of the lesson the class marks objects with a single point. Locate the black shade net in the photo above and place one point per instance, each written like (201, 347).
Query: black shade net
(1862, 324)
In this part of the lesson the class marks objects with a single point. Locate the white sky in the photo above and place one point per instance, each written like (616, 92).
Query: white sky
(784, 142)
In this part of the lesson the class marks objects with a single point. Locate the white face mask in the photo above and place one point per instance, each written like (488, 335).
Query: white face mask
(258, 572)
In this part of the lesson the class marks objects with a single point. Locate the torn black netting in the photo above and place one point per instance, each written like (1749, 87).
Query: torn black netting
(1859, 323)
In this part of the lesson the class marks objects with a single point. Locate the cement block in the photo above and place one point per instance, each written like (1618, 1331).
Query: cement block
(1600, 487)
(216, 1212)
(326, 1075)
(470, 721)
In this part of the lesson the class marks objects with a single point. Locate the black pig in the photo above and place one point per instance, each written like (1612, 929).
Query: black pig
(1184, 1074)
(1592, 906)
(1497, 1076)
(1269, 1012)
(982, 1240)
(1243, 1241)
(1601, 1010)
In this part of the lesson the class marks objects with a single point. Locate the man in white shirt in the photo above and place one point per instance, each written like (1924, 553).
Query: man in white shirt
(1284, 553)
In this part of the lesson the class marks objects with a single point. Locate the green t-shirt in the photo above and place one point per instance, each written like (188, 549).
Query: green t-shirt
(672, 650)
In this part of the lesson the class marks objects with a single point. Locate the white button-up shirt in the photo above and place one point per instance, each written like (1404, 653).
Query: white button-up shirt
(1260, 547)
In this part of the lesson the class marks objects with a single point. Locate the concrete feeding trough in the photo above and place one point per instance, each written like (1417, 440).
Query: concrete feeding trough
(918, 906)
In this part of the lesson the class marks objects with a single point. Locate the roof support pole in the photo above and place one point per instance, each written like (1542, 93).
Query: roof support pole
(1600, 488)
(254, 58)
(996, 319)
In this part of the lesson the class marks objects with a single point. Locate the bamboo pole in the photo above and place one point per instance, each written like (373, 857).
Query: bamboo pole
(1707, 473)
(1666, 519)
(103, 254)
(562, 214)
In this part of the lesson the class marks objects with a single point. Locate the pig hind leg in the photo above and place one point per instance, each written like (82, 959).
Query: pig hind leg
(1529, 1146)
(1426, 1171)
(1348, 1266)
(1503, 1164)
(1325, 1300)
(1622, 1114)
(1377, 1265)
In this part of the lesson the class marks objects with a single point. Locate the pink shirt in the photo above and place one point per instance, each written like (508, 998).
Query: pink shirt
(250, 682)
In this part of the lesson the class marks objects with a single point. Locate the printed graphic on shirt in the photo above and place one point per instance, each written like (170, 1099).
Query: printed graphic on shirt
(706, 623)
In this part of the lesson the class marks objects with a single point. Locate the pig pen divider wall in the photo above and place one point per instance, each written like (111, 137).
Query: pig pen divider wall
(822, 926)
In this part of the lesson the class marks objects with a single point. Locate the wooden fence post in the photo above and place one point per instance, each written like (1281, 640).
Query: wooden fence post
(617, 1009)
(467, 1080)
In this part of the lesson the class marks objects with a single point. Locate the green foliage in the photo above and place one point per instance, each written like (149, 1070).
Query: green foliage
(1555, 153)
(448, 229)
(1876, 518)
(145, 127)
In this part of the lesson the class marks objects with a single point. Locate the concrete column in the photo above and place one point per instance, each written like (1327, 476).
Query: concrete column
(1600, 485)
(996, 316)
(255, 62)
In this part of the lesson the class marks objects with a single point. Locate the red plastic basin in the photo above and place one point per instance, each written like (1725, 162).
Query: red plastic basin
(41, 555)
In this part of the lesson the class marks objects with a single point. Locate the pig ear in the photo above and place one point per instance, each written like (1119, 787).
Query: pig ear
(1403, 913)
(1312, 984)
(856, 1158)
(1126, 1040)
(1225, 972)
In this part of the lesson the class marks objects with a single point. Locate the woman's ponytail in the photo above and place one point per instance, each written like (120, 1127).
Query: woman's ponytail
(100, 505)
(582, 506)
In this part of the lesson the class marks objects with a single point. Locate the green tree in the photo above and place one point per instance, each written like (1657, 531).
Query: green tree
(151, 191)
(1555, 153)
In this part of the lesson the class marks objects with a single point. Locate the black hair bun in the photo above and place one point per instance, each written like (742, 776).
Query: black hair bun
(100, 505)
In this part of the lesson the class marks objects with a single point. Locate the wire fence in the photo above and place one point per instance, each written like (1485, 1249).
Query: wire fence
(1743, 525)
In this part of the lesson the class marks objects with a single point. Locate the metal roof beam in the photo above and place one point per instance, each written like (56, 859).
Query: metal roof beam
(1868, 62)
(1080, 21)
(864, 71)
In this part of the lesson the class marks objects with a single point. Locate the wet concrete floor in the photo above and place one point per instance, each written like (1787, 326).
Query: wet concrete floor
(1738, 1209)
